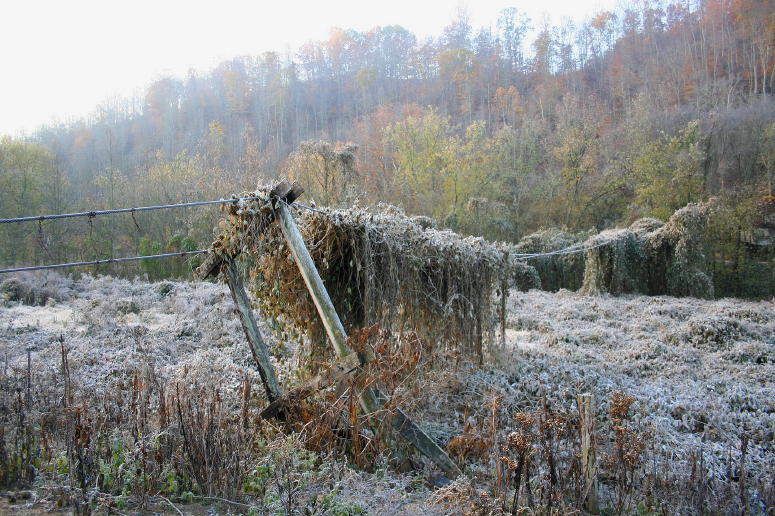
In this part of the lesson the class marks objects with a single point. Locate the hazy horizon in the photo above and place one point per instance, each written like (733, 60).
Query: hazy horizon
(93, 52)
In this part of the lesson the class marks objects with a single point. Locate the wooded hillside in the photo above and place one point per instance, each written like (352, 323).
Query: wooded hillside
(496, 132)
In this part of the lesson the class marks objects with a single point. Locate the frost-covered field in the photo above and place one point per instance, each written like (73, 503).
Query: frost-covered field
(702, 372)
(182, 332)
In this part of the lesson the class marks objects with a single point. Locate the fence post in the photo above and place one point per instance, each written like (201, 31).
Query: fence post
(257, 346)
(502, 315)
(588, 465)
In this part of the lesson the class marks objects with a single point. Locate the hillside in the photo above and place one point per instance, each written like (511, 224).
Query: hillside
(495, 131)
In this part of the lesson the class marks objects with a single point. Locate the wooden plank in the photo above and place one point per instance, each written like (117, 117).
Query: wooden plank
(409, 430)
(331, 322)
(211, 266)
(371, 400)
(255, 341)
(280, 190)
(294, 193)
(341, 370)
(286, 192)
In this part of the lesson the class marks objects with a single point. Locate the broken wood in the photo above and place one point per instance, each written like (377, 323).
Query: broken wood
(209, 267)
(341, 370)
(371, 399)
(255, 341)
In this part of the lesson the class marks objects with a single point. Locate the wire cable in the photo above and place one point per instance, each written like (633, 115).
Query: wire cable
(310, 208)
(100, 262)
(567, 250)
(92, 214)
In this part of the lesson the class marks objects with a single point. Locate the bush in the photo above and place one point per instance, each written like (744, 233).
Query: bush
(35, 289)
(653, 258)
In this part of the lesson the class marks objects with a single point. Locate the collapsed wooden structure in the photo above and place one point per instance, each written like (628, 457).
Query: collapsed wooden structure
(348, 364)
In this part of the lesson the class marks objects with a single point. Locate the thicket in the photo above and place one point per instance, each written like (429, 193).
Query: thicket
(380, 267)
(653, 258)
(703, 250)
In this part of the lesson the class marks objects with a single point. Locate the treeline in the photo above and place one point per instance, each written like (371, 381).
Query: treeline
(497, 132)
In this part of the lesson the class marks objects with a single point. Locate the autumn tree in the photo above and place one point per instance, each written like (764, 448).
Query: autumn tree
(327, 171)
(668, 173)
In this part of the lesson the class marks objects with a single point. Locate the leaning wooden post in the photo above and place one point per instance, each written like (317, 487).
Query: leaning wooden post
(588, 466)
(217, 262)
(371, 399)
(257, 346)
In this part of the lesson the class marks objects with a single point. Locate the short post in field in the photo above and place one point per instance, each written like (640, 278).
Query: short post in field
(588, 459)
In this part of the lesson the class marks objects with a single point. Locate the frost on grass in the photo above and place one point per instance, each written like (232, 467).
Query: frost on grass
(35, 290)
(701, 373)
(157, 398)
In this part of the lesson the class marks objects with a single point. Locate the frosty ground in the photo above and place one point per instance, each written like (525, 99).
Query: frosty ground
(702, 372)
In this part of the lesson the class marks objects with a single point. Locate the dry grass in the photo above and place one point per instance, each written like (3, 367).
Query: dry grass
(128, 408)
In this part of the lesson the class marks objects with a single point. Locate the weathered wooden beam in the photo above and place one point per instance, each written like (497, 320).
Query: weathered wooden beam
(412, 433)
(371, 400)
(341, 370)
(209, 267)
(257, 346)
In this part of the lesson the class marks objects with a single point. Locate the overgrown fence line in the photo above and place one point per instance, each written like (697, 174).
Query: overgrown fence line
(94, 213)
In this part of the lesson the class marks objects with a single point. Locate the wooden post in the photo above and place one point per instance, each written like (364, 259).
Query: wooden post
(371, 399)
(588, 466)
(210, 266)
(217, 262)
(257, 346)
(479, 340)
(504, 299)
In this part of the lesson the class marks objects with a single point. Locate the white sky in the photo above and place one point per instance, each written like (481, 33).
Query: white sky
(60, 58)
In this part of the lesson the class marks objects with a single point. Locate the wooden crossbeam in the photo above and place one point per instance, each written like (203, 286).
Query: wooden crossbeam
(285, 192)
